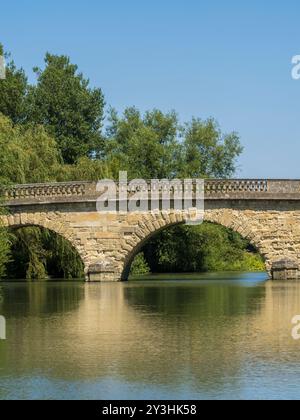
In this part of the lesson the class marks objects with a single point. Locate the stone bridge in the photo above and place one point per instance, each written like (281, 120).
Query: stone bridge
(266, 212)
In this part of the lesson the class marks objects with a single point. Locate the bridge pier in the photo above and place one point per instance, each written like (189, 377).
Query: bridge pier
(285, 269)
(101, 273)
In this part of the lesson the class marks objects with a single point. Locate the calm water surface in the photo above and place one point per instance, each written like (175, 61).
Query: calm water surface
(213, 336)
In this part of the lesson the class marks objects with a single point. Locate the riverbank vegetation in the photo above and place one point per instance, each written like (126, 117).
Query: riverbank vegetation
(60, 129)
(204, 248)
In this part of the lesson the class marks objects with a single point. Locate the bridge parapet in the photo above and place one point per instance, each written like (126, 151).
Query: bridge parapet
(60, 191)
(216, 186)
(215, 189)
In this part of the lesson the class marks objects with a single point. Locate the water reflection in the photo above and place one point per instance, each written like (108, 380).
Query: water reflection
(192, 339)
(25, 299)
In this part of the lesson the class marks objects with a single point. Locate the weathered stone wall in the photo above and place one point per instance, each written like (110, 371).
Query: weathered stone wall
(111, 241)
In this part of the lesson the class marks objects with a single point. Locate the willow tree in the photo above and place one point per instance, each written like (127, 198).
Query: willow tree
(38, 253)
(28, 154)
(5, 249)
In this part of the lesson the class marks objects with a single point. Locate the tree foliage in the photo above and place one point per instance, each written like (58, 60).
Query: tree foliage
(28, 154)
(155, 145)
(13, 91)
(207, 247)
(67, 107)
(5, 249)
(38, 253)
(145, 146)
(139, 266)
(207, 152)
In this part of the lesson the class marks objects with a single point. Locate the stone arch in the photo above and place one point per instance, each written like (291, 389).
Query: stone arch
(54, 223)
(248, 225)
(150, 225)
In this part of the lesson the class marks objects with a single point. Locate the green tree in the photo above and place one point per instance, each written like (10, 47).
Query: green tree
(139, 266)
(13, 91)
(68, 108)
(28, 255)
(63, 261)
(156, 146)
(5, 249)
(28, 154)
(207, 247)
(207, 152)
(145, 146)
(38, 253)
(87, 169)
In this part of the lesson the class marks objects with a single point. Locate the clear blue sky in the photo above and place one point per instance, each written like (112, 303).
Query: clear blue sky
(226, 59)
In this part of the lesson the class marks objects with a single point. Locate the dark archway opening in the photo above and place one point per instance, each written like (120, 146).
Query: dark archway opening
(41, 254)
(205, 248)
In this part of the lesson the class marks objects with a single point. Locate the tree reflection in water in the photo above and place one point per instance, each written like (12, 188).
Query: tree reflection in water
(198, 335)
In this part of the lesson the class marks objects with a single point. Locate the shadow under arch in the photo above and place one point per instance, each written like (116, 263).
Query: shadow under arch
(137, 249)
(255, 247)
(54, 235)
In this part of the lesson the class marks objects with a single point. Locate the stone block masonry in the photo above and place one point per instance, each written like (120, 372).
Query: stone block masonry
(266, 212)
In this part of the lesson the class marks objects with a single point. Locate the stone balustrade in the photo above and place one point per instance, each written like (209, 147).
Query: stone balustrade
(18, 192)
(235, 186)
(214, 189)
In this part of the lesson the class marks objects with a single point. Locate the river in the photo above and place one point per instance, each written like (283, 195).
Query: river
(216, 336)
